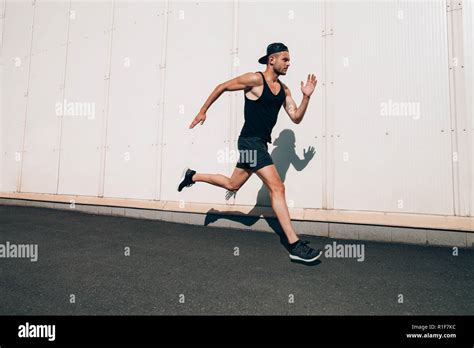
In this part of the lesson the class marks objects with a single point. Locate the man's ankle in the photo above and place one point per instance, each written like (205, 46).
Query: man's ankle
(294, 242)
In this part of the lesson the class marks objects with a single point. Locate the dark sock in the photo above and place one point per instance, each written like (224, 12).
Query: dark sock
(192, 174)
(292, 246)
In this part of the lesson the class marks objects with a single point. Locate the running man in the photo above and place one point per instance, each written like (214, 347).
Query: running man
(264, 95)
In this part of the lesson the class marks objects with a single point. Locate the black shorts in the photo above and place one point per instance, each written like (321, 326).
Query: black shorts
(253, 153)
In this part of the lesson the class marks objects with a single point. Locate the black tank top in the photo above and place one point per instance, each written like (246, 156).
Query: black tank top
(261, 114)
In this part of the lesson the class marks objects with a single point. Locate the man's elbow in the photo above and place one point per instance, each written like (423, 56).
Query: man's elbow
(296, 120)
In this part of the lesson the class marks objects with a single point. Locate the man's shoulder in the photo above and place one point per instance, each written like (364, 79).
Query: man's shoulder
(257, 75)
(285, 87)
(254, 78)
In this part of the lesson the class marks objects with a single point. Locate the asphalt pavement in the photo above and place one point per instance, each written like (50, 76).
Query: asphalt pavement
(105, 265)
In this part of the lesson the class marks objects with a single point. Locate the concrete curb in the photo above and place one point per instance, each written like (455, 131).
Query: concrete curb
(379, 233)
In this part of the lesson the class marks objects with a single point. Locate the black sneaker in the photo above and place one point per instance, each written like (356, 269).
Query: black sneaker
(186, 179)
(302, 252)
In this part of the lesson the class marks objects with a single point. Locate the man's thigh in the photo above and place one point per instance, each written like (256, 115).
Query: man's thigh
(269, 176)
(239, 177)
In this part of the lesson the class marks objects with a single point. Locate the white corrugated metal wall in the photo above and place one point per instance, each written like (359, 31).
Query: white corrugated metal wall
(2, 20)
(98, 96)
(468, 19)
(391, 106)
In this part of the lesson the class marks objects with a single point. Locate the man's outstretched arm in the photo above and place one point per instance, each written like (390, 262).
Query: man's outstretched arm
(238, 83)
(296, 113)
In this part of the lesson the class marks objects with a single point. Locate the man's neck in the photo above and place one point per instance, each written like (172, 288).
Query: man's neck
(270, 75)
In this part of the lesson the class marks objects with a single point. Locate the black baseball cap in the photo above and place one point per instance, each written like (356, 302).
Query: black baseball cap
(272, 48)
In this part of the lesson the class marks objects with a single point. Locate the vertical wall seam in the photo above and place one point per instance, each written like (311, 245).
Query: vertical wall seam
(19, 178)
(330, 109)
(460, 107)
(158, 145)
(105, 117)
(457, 111)
(233, 95)
(60, 133)
(162, 104)
(451, 106)
(324, 114)
(454, 115)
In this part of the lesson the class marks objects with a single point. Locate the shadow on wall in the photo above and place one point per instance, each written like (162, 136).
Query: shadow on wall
(283, 154)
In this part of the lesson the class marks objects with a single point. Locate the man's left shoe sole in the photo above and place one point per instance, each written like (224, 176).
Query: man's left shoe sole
(293, 257)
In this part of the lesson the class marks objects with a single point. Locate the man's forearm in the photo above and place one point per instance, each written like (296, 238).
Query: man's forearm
(300, 111)
(212, 98)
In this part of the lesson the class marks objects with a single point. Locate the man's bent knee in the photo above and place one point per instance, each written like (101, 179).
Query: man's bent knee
(277, 188)
(234, 186)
